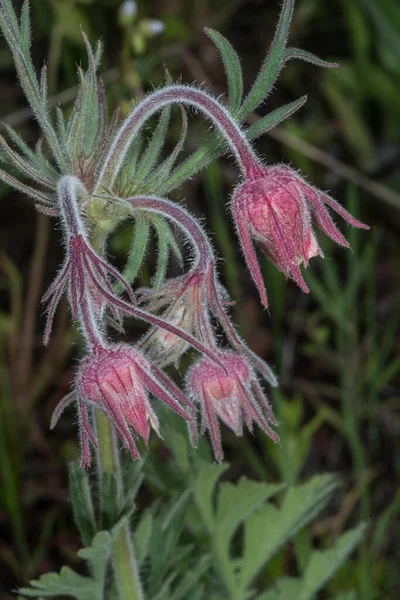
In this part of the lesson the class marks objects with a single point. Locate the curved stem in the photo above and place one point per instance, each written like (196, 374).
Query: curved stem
(176, 94)
(205, 259)
(124, 561)
(184, 220)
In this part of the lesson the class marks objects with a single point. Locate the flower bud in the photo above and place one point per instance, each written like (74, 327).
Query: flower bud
(276, 207)
(118, 380)
(228, 395)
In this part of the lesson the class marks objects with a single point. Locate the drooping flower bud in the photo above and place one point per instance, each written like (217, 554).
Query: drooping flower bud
(276, 208)
(119, 381)
(229, 395)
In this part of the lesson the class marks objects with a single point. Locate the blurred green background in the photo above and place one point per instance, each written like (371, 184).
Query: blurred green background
(336, 351)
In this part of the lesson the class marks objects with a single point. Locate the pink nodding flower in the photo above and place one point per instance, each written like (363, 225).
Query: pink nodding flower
(277, 208)
(118, 380)
(234, 396)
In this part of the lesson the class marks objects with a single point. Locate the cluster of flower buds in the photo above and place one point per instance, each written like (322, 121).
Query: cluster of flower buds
(97, 181)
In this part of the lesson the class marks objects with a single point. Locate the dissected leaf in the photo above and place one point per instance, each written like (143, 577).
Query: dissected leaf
(323, 563)
(236, 502)
(19, 40)
(203, 489)
(155, 181)
(269, 527)
(292, 53)
(69, 583)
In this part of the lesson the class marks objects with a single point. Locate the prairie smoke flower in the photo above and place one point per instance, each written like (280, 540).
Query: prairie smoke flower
(230, 395)
(192, 298)
(118, 380)
(187, 304)
(276, 207)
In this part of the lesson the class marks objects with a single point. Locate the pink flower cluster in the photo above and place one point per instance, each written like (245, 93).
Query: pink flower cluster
(273, 206)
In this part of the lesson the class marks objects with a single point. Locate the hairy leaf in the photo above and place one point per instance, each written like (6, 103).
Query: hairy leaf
(272, 64)
(18, 38)
(274, 118)
(140, 239)
(232, 68)
(269, 528)
(291, 53)
(153, 149)
(154, 183)
(69, 583)
(82, 504)
(165, 243)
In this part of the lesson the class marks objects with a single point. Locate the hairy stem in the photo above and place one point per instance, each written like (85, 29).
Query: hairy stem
(184, 220)
(176, 94)
(124, 561)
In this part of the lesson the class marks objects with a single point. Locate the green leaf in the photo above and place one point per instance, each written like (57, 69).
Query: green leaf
(205, 154)
(155, 182)
(283, 589)
(191, 579)
(41, 197)
(272, 64)
(236, 503)
(36, 160)
(163, 237)
(82, 504)
(24, 166)
(142, 536)
(232, 68)
(203, 490)
(324, 563)
(137, 252)
(25, 28)
(26, 73)
(165, 243)
(153, 149)
(292, 53)
(69, 583)
(269, 527)
(274, 118)
(163, 550)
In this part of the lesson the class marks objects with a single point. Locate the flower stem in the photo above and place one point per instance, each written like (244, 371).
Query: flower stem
(124, 561)
(177, 94)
